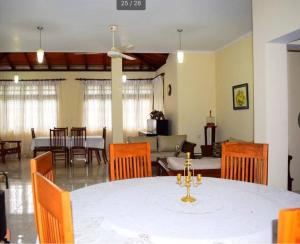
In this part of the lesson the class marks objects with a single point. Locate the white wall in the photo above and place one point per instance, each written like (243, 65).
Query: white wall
(294, 110)
(271, 20)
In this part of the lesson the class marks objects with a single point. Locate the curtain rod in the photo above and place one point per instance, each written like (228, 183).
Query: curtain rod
(110, 79)
(59, 79)
(162, 74)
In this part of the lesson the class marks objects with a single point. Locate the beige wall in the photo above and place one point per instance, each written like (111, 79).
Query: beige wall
(234, 65)
(271, 20)
(193, 93)
(170, 102)
(294, 110)
(196, 94)
(71, 90)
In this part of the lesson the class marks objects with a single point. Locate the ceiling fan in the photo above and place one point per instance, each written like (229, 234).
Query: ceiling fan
(117, 52)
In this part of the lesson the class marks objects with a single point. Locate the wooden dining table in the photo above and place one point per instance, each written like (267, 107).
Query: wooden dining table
(150, 210)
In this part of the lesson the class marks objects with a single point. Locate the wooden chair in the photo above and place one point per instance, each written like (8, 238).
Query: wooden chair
(97, 150)
(78, 143)
(289, 226)
(58, 145)
(52, 211)
(9, 147)
(104, 148)
(43, 164)
(245, 162)
(39, 148)
(63, 128)
(131, 160)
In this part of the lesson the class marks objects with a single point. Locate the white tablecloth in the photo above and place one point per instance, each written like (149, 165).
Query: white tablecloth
(149, 210)
(91, 141)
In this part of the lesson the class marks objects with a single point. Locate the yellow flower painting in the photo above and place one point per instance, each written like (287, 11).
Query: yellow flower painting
(240, 96)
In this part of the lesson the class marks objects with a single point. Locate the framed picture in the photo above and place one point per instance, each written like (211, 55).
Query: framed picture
(240, 96)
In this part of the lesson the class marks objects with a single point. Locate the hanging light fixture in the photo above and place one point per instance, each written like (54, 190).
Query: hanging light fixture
(124, 78)
(40, 51)
(180, 54)
(16, 79)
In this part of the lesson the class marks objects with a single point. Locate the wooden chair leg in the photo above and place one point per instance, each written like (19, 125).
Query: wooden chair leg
(104, 156)
(98, 156)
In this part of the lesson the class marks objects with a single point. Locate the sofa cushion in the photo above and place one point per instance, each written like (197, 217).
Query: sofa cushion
(152, 140)
(169, 143)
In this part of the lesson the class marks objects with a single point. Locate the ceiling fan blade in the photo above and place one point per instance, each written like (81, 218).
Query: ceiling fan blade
(127, 56)
(126, 48)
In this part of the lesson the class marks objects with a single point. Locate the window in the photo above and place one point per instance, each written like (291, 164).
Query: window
(97, 104)
(137, 104)
(26, 105)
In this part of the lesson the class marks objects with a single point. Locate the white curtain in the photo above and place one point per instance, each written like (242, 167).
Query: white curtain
(137, 105)
(158, 93)
(97, 106)
(26, 105)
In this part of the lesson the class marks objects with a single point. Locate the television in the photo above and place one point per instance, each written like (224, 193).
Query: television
(159, 127)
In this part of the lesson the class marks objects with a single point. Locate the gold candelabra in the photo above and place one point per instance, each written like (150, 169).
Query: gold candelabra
(189, 179)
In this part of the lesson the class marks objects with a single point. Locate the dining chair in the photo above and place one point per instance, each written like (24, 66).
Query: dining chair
(58, 145)
(38, 148)
(97, 150)
(129, 160)
(53, 212)
(43, 164)
(289, 226)
(78, 143)
(10, 147)
(63, 128)
(245, 162)
(103, 150)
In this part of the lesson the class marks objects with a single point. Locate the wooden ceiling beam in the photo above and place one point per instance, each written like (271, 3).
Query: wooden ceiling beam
(46, 57)
(141, 58)
(28, 61)
(67, 61)
(86, 64)
(3, 56)
(12, 66)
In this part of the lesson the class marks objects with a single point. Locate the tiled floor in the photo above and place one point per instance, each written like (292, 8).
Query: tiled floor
(19, 207)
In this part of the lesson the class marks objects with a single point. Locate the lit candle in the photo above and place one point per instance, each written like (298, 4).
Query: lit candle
(179, 178)
(199, 178)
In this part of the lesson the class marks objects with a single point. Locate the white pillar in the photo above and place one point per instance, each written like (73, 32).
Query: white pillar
(116, 103)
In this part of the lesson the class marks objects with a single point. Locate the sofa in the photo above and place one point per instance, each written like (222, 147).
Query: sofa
(166, 146)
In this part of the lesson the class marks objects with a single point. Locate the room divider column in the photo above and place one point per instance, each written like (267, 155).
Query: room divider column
(116, 103)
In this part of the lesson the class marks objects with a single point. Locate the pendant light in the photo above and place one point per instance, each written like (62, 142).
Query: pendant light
(40, 51)
(124, 78)
(180, 54)
(16, 79)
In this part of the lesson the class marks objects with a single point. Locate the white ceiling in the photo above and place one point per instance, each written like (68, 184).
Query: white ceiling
(81, 25)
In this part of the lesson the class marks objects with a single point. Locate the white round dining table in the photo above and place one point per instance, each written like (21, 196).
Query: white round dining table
(149, 210)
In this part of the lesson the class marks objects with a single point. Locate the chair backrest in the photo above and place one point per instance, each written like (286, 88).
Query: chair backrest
(58, 137)
(53, 212)
(78, 136)
(32, 133)
(289, 226)
(130, 160)
(104, 136)
(245, 162)
(63, 128)
(2, 216)
(43, 164)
